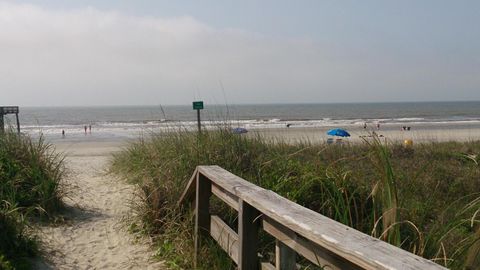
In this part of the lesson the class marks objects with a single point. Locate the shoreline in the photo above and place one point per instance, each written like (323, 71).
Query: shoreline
(132, 130)
(393, 133)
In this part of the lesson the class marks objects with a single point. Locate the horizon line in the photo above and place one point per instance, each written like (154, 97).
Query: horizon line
(243, 104)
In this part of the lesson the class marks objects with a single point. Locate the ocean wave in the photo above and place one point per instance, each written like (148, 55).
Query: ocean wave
(133, 128)
(409, 119)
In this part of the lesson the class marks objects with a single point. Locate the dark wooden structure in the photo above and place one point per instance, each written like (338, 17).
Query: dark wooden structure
(297, 230)
(8, 110)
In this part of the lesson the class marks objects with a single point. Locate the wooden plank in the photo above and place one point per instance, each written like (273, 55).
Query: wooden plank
(248, 226)
(305, 248)
(189, 191)
(225, 237)
(285, 257)
(228, 181)
(225, 196)
(348, 243)
(202, 212)
(267, 266)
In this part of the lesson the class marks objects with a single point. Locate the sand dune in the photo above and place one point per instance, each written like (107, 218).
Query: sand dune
(93, 236)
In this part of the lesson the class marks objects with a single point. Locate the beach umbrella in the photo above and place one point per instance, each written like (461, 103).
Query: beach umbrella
(239, 130)
(338, 132)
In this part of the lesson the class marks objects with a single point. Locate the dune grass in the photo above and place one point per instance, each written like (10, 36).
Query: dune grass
(424, 199)
(30, 186)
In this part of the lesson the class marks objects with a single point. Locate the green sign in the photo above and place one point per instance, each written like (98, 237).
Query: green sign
(198, 105)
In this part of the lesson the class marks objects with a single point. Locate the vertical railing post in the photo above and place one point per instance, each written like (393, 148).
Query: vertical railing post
(18, 123)
(285, 257)
(2, 124)
(202, 213)
(248, 226)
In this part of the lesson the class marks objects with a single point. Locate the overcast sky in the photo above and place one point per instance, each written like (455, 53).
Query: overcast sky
(270, 51)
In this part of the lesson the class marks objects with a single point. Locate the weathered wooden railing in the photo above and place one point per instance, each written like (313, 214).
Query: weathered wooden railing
(321, 240)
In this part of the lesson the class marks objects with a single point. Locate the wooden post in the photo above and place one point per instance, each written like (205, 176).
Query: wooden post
(473, 254)
(202, 212)
(2, 124)
(248, 226)
(285, 257)
(18, 123)
(199, 122)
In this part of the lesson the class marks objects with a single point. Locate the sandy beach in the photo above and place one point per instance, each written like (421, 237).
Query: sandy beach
(93, 235)
(418, 134)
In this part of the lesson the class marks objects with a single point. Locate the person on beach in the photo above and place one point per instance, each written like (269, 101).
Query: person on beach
(378, 125)
(63, 133)
(85, 127)
(90, 129)
(365, 125)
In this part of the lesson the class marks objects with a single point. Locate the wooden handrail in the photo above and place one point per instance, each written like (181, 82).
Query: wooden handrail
(323, 241)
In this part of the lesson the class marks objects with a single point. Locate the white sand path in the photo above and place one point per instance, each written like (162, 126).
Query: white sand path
(94, 237)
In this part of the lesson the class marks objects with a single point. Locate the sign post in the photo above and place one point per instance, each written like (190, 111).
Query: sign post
(198, 105)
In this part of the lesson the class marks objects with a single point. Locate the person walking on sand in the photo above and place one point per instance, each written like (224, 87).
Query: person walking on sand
(378, 125)
(90, 129)
(85, 127)
(63, 133)
(365, 125)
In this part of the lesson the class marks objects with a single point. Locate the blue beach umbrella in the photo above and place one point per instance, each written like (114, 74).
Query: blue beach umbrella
(239, 130)
(338, 132)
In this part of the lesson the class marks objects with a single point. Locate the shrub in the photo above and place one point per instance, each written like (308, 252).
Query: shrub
(30, 185)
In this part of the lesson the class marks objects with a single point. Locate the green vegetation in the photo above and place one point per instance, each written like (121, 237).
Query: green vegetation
(425, 199)
(30, 176)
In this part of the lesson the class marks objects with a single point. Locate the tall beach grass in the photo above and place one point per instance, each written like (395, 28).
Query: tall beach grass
(30, 186)
(424, 199)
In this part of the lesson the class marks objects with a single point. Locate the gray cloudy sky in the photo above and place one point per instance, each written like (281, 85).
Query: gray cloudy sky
(271, 51)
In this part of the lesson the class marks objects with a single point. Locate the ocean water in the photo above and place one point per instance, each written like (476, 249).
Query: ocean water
(129, 121)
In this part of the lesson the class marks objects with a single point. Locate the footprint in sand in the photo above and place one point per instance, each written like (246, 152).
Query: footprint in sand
(93, 238)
